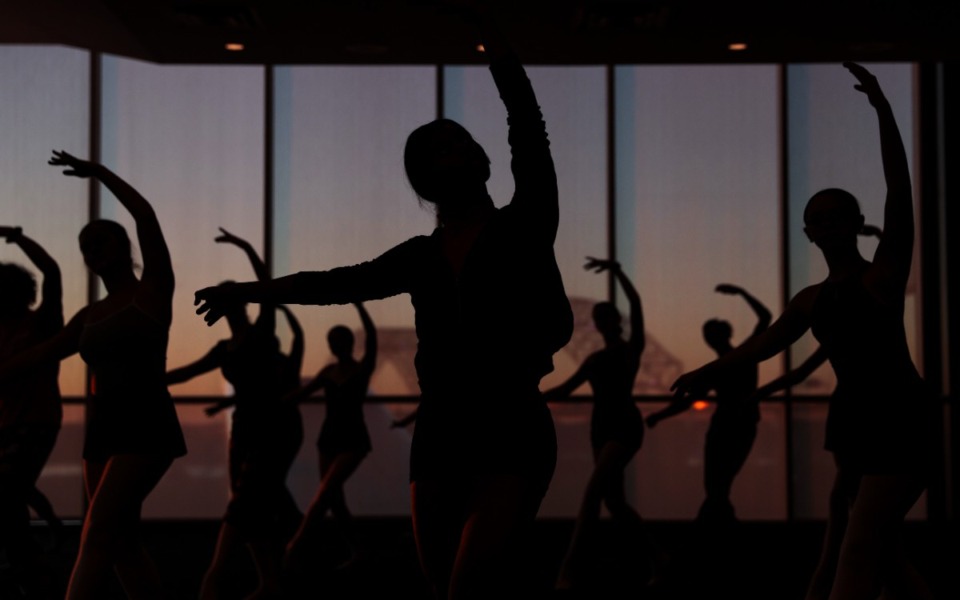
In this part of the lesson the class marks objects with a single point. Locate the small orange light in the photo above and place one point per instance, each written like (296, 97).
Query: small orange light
(737, 47)
(234, 47)
(480, 48)
(700, 405)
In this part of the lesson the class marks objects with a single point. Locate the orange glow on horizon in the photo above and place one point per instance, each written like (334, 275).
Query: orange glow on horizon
(700, 405)
(737, 47)
(234, 46)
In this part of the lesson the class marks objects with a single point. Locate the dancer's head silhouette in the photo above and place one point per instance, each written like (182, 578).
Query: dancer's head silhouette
(105, 246)
(446, 166)
(832, 219)
(19, 290)
(340, 339)
(607, 319)
(717, 334)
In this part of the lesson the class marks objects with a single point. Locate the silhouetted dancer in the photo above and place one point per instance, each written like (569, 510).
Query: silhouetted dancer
(30, 406)
(881, 416)
(733, 427)
(344, 441)
(491, 311)
(265, 435)
(616, 426)
(844, 490)
(132, 431)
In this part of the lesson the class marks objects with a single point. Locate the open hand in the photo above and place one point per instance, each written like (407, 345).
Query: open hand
(11, 234)
(599, 265)
(76, 167)
(212, 302)
(226, 237)
(867, 82)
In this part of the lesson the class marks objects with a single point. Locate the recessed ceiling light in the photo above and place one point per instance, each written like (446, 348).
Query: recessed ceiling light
(234, 46)
(737, 47)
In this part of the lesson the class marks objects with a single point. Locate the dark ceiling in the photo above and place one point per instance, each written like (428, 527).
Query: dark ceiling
(543, 31)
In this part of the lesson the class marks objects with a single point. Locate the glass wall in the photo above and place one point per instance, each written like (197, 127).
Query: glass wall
(697, 168)
(697, 205)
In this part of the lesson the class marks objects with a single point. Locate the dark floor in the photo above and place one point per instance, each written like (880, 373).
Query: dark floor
(754, 560)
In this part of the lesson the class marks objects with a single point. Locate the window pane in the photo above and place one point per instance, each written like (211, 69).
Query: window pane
(46, 105)
(190, 139)
(342, 197)
(697, 204)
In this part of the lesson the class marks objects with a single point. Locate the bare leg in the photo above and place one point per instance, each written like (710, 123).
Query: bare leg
(841, 499)
(872, 541)
(117, 490)
(439, 513)
(341, 468)
(500, 509)
(227, 540)
(610, 463)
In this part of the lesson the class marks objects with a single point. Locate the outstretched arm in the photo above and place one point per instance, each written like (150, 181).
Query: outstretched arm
(369, 361)
(51, 305)
(895, 251)
(637, 338)
(787, 329)
(581, 376)
(65, 343)
(157, 276)
(210, 361)
(793, 377)
(384, 276)
(314, 385)
(763, 313)
(677, 405)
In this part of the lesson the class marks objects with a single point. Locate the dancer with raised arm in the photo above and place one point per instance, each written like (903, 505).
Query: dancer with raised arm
(882, 411)
(265, 434)
(733, 427)
(30, 404)
(491, 311)
(132, 432)
(344, 441)
(616, 426)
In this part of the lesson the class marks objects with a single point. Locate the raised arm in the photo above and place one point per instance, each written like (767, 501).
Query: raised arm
(297, 345)
(157, 273)
(534, 175)
(51, 305)
(895, 251)
(763, 313)
(369, 361)
(637, 339)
